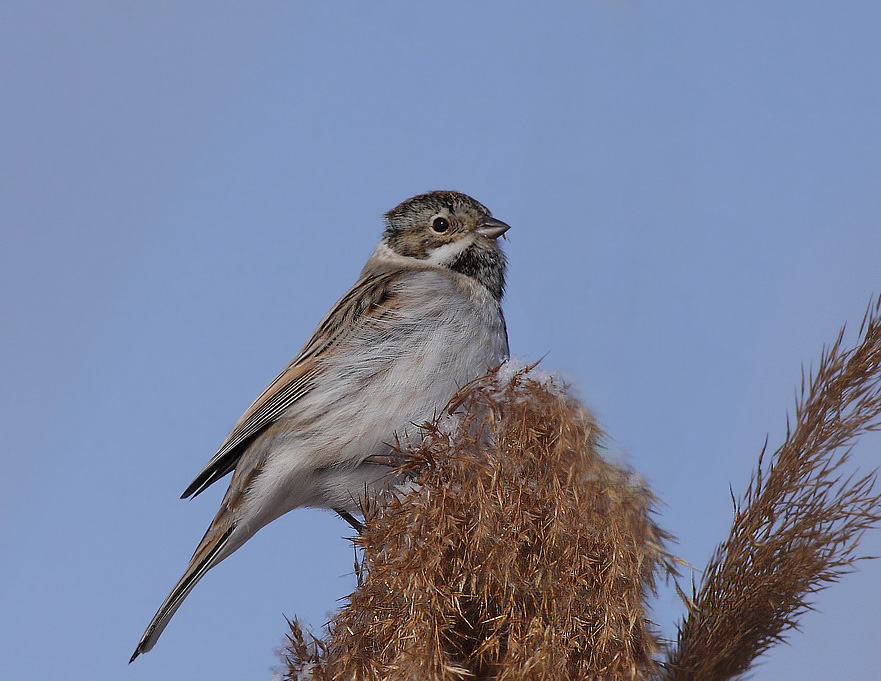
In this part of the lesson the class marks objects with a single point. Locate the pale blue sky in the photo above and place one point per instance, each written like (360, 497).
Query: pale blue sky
(695, 199)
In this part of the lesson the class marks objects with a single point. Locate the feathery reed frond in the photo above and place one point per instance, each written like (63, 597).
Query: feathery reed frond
(797, 527)
(516, 552)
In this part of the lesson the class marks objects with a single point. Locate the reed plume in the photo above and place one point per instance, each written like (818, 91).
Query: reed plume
(515, 551)
(797, 527)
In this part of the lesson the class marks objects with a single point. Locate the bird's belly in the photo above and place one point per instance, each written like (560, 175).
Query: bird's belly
(371, 398)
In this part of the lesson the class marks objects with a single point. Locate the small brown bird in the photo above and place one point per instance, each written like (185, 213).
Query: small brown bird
(424, 319)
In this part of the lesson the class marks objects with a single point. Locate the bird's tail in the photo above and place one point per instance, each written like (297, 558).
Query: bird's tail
(213, 548)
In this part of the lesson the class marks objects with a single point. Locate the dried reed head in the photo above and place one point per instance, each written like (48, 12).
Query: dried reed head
(797, 528)
(516, 552)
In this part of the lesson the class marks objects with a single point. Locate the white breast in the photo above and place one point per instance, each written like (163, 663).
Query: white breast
(392, 373)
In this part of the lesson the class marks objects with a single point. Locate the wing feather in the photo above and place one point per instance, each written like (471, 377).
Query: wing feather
(371, 296)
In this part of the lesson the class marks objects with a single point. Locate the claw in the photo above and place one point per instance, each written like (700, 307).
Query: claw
(392, 459)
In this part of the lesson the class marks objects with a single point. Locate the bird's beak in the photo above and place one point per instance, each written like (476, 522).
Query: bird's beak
(492, 228)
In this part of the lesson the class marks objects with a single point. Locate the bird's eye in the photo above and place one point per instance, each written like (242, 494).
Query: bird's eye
(440, 225)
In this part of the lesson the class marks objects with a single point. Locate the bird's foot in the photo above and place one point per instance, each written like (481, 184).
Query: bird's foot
(393, 459)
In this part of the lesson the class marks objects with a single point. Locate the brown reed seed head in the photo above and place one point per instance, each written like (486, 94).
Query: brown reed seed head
(797, 528)
(516, 553)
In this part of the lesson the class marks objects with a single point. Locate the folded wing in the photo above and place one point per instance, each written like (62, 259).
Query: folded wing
(371, 297)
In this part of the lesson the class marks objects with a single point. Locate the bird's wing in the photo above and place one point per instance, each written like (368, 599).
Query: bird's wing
(372, 297)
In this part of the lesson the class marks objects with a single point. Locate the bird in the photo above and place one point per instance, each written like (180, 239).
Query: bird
(423, 319)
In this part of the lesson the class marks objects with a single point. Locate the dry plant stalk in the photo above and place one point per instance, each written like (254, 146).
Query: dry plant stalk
(516, 553)
(797, 528)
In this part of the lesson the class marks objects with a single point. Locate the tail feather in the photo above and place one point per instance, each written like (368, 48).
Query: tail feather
(206, 556)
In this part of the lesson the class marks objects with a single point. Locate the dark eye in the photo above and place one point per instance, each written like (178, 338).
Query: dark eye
(440, 225)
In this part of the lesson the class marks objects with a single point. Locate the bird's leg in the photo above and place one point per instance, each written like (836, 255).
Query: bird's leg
(356, 524)
(392, 459)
